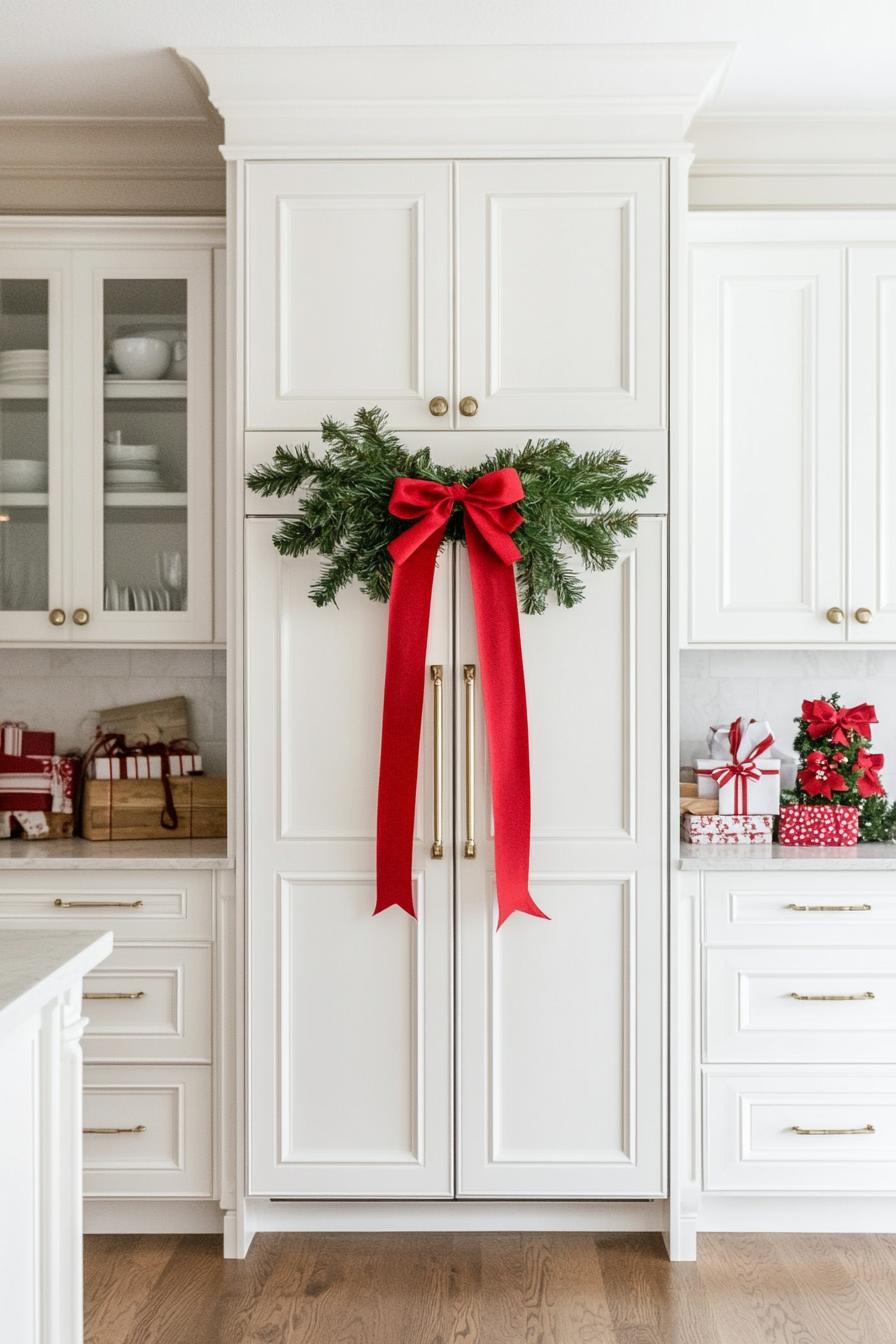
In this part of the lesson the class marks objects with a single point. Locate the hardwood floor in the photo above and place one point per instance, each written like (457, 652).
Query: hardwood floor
(492, 1288)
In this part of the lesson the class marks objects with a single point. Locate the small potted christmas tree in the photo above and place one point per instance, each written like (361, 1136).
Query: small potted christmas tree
(839, 798)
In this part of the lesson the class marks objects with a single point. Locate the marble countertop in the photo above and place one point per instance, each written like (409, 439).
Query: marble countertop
(746, 858)
(78, 853)
(36, 965)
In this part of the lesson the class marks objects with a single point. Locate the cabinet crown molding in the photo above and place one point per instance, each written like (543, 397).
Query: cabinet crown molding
(457, 98)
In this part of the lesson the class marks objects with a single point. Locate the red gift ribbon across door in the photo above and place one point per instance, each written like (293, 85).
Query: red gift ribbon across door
(489, 520)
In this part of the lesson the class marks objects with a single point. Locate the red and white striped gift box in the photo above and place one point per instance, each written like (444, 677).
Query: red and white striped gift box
(25, 784)
(144, 767)
(17, 739)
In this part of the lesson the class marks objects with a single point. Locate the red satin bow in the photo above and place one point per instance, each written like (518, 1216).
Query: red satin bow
(823, 720)
(489, 520)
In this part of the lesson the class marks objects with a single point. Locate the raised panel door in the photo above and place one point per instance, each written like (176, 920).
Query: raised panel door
(350, 1056)
(766, 472)
(348, 292)
(560, 1023)
(872, 445)
(562, 294)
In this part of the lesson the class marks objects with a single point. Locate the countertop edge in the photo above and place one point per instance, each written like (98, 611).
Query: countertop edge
(94, 948)
(788, 858)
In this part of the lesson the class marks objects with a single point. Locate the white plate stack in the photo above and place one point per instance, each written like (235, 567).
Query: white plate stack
(131, 468)
(24, 366)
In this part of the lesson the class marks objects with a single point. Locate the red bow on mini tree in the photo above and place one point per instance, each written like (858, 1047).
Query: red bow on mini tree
(868, 783)
(818, 779)
(825, 720)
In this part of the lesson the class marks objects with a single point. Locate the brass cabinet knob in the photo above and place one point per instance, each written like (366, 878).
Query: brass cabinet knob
(80, 615)
(835, 615)
(438, 406)
(56, 616)
(863, 615)
(468, 406)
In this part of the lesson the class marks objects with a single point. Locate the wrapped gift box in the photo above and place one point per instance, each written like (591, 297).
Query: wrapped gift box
(17, 739)
(144, 767)
(743, 788)
(727, 830)
(131, 809)
(818, 824)
(37, 783)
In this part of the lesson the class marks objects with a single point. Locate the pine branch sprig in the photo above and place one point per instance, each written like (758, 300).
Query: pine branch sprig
(573, 508)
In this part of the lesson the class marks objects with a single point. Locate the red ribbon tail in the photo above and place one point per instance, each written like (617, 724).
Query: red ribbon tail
(504, 698)
(409, 602)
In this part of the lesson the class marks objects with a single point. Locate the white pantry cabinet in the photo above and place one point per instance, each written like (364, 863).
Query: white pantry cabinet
(526, 295)
(355, 1086)
(106, 542)
(791, 502)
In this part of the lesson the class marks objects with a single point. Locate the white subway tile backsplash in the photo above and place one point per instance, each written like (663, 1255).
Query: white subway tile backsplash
(772, 684)
(31, 690)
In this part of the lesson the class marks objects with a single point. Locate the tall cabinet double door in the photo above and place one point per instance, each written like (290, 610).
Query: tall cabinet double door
(438, 1057)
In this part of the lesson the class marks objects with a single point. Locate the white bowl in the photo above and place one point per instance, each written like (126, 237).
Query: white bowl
(141, 356)
(122, 453)
(23, 473)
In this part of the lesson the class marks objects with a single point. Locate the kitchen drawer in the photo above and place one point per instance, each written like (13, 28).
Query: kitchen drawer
(165, 1117)
(750, 1012)
(770, 908)
(150, 1001)
(135, 904)
(751, 1143)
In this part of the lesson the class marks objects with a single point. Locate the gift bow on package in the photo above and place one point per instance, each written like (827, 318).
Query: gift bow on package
(739, 759)
(824, 720)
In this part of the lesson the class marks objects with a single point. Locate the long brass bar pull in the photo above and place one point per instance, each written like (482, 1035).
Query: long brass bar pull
(133, 994)
(435, 672)
(832, 998)
(96, 905)
(470, 758)
(111, 1129)
(817, 909)
(798, 1129)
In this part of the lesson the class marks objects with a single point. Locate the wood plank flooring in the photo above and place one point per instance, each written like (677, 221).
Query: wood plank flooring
(490, 1288)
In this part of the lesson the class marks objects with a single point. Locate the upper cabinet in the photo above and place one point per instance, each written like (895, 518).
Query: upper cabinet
(791, 498)
(491, 295)
(106, 437)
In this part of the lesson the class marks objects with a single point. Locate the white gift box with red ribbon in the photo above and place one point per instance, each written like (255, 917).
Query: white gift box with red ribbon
(739, 772)
(144, 767)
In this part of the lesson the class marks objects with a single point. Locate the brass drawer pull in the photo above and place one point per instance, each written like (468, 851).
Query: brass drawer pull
(96, 905)
(135, 994)
(101, 1129)
(863, 907)
(470, 759)
(832, 998)
(865, 1129)
(438, 849)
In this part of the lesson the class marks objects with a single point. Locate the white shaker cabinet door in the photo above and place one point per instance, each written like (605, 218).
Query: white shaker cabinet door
(350, 1016)
(872, 445)
(560, 1022)
(562, 294)
(766, 472)
(348, 292)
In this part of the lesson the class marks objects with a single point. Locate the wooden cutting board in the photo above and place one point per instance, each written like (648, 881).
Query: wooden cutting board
(151, 720)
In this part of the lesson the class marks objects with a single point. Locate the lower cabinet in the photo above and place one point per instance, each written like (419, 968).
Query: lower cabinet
(149, 1043)
(440, 1058)
(798, 1014)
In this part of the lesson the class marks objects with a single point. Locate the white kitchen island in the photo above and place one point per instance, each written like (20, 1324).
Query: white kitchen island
(40, 1131)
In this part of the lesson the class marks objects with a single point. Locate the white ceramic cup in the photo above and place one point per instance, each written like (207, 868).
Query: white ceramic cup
(141, 356)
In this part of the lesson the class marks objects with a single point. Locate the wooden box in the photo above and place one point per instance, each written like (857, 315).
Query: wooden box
(131, 809)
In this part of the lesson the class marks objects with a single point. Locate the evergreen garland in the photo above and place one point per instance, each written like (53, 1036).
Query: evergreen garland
(847, 765)
(574, 504)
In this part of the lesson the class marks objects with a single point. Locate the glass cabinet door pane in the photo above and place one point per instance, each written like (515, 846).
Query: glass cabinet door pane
(145, 464)
(24, 447)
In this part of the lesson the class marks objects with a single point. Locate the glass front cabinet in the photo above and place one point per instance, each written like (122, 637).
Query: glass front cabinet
(107, 434)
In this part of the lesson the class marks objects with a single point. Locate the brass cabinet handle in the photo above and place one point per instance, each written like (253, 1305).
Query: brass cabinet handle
(832, 998)
(438, 406)
(80, 615)
(835, 615)
(468, 406)
(435, 673)
(96, 905)
(113, 1129)
(865, 1129)
(862, 615)
(826, 908)
(56, 616)
(135, 994)
(470, 758)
